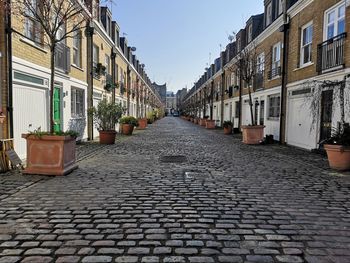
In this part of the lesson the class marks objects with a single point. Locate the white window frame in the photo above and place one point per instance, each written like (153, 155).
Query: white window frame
(260, 63)
(305, 45)
(335, 9)
(76, 103)
(233, 79)
(77, 48)
(276, 56)
(96, 55)
(276, 97)
(107, 64)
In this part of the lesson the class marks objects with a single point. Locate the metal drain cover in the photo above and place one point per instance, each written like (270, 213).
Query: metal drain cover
(173, 159)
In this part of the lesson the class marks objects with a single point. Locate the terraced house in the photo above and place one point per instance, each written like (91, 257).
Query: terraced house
(92, 64)
(301, 51)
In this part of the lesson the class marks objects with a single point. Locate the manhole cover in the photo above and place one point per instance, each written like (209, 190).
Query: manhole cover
(173, 159)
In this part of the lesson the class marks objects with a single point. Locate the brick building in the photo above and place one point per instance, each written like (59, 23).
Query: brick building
(77, 86)
(297, 42)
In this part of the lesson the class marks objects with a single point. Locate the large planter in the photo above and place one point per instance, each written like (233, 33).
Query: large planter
(228, 130)
(107, 137)
(210, 124)
(142, 124)
(50, 154)
(202, 122)
(127, 129)
(338, 156)
(253, 134)
(196, 121)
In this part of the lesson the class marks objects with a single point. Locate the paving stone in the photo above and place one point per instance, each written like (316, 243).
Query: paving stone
(229, 202)
(96, 259)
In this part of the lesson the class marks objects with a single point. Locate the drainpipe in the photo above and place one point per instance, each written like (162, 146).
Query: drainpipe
(114, 80)
(211, 99)
(90, 78)
(240, 100)
(137, 98)
(285, 30)
(9, 78)
(223, 88)
(128, 78)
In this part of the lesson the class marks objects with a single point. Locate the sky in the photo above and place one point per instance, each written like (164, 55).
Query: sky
(177, 39)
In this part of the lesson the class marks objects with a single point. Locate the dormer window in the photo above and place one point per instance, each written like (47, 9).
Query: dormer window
(269, 14)
(250, 33)
(280, 7)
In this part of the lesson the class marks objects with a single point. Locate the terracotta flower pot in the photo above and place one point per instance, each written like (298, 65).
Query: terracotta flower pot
(338, 156)
(210, 124)
(196, 121)
(253, 134)
(228, 130)
(127, 129)
(202, 122)
(107, 137)
(2, 119)
(142, 124)
(50, 154)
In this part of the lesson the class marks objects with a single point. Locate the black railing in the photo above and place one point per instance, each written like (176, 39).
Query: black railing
(258, 82)
(275, 72)
(330, 54)
(62, 57)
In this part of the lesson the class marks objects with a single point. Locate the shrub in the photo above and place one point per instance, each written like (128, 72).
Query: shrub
(129, 120)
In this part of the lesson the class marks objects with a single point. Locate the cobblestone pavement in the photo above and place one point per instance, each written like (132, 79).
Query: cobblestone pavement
(228, 202)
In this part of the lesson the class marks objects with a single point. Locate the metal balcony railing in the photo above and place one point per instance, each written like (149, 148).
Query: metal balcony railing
(62, 57)
(330, 54)
(275, 72)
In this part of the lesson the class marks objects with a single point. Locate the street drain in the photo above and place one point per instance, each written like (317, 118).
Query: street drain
(173, 159)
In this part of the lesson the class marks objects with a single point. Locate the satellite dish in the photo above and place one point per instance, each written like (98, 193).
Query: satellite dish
(133, 49)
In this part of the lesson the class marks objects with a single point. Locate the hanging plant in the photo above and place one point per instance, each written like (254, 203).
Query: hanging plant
(100, 69)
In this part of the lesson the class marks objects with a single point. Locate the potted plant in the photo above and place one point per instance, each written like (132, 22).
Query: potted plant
(337, 145)
(203, 121)
(252, 133)
(142, 123)
(50, 153)
(100, 69)
(150, 117)
(127, 124)
(105, 117)
(210, 124)
(338, 149)
(227, 127)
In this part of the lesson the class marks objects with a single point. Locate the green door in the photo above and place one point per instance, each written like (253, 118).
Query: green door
(57, 109)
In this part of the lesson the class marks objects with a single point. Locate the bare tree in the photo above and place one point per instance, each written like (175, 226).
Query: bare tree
(341, 99)
(247, 68)
(55, 21)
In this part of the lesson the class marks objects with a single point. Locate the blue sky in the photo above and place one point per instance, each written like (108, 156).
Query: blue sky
(174, 37)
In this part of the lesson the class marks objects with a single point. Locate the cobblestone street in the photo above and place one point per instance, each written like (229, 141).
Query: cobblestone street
(227, 202)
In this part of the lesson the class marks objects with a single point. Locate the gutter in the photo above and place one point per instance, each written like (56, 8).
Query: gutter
(9, 78)
(285, 30)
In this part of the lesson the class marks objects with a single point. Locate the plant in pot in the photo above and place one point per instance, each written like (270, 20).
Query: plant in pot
(142, 123)
(210, 124)
(337, 143)
(338, 148)
(228, 127)
(128, 123)
(105, 117)
(249, 68)
(150, 117)
(203, 121)
(51, 152)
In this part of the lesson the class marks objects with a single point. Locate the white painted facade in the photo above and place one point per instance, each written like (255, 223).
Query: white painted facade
(31, 100)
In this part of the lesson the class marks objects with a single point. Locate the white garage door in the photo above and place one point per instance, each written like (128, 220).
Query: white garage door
(29, 113)
(299, 124)
(96, 102)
